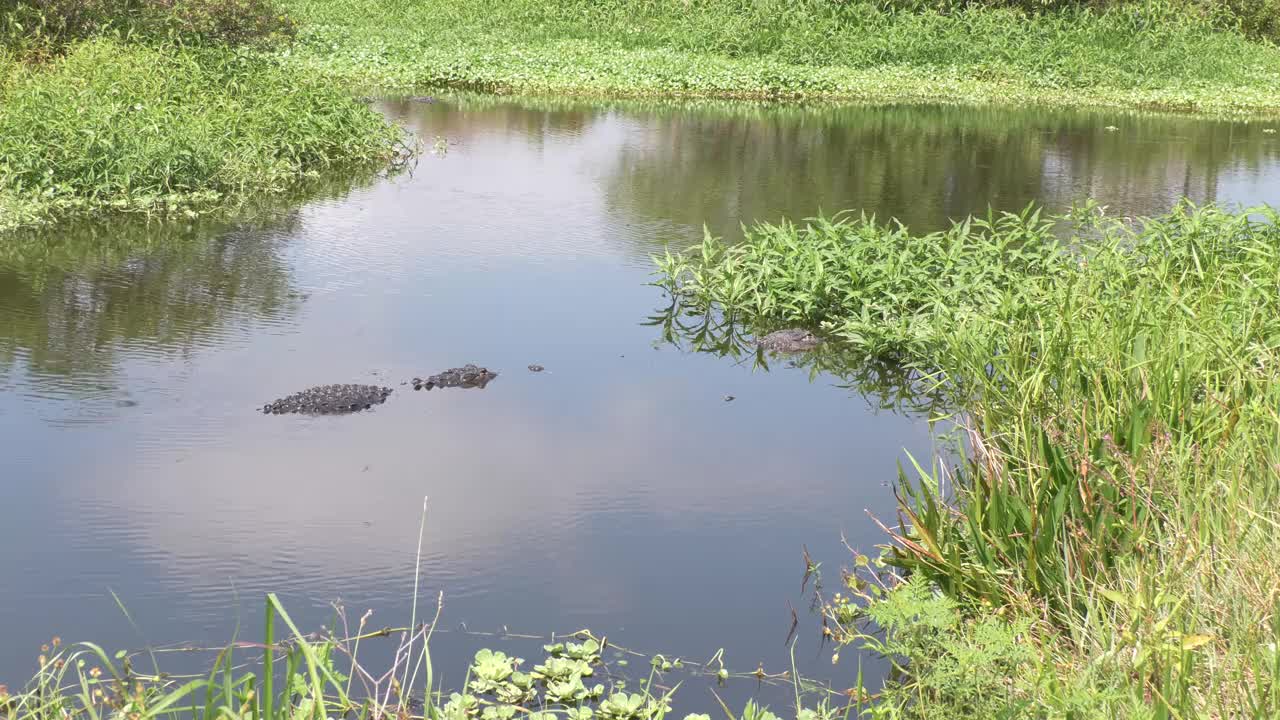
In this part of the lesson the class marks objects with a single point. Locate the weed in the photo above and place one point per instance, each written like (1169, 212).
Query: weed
(1115, 501)
(50, 26)
(1134, 56)
(321, 675)
(129, 128)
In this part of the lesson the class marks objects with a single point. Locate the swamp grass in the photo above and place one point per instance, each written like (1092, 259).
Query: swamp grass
(1115, 505)
(288, 674)
(125, 127)
(1147, 55)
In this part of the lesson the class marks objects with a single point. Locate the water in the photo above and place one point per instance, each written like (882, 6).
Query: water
(618, 490)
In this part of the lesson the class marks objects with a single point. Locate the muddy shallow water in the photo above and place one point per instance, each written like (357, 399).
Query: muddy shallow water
(615, 490)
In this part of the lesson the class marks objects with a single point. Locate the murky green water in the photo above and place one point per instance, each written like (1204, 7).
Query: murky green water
(617, 490)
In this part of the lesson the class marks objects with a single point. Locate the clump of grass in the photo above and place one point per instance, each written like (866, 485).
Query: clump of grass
(1149, 55)
(114, 126)
(1119, 385)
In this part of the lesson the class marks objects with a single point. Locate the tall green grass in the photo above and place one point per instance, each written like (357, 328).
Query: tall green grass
(1143, 54)
(1120, 386)
(118, 126)
(41, 28)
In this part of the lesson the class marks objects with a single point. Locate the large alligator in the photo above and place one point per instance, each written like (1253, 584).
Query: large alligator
(329, 400)
(467, 376)
(344, 399)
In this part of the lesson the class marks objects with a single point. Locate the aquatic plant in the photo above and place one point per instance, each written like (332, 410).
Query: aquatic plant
(321, 675)
(118, 127)
(1140, 55)
(1118, 382)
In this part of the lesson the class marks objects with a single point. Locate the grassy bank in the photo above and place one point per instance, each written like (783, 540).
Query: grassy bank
(163, 105)
(1145, 55)
(119, 123)
(1107, 546)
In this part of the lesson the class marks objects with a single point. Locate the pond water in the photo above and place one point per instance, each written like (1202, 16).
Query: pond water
(617, 490)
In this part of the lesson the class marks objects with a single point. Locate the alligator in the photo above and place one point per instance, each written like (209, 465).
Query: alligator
(467, 376)
(329, 400)
(791, 340)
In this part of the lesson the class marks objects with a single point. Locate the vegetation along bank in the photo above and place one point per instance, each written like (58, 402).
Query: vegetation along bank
(154, 106)
(1106, 547)
(1191, 55)
(183, 105)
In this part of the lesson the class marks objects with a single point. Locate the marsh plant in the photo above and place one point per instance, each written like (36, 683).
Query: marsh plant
(321, 675)
(1170, 54)
(1115, 505)
(165, 106)
(46, 27)
(113, 127)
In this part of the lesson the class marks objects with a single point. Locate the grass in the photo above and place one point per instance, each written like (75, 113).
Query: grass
(1114, 508)
(289, 674)
(126, 127)
(1147, 55)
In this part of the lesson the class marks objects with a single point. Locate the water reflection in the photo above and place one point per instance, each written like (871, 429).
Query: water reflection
(923, 166)
(722, 164)
(77, 298)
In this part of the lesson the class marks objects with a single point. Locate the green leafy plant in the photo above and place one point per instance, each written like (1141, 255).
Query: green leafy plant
(112, 127)
(1140, 54)
(1116, 385)
(48, 26)
(490, 670)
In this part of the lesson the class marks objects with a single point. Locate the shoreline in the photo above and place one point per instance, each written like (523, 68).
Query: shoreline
(887, 86)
